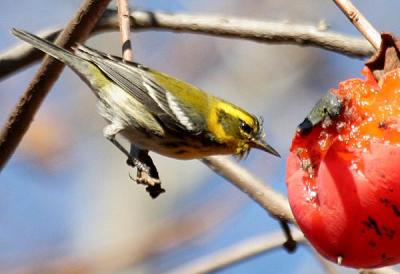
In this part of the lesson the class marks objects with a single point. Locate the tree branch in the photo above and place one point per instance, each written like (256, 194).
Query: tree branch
(265, 32)
(383, 270)
(360, 22)
(266, 197)
(124, 27)
(18, 123)
(148, 176)
(235, 254)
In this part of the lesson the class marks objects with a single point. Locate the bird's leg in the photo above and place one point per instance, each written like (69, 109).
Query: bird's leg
(147, 173)
(148, 176)
(109, 132)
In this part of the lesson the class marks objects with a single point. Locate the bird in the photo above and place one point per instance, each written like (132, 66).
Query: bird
(156, 112)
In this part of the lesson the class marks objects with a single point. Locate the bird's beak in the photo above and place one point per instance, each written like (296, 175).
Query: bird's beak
(260, 144)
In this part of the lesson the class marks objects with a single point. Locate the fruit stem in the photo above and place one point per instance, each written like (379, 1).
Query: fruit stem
(360, 22)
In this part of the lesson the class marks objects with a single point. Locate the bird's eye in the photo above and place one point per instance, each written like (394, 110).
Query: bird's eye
(245, 127)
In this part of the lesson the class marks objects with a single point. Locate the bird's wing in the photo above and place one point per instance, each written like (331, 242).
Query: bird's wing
(138, 82)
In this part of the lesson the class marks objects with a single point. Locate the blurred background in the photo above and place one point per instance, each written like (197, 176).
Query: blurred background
(66, 199)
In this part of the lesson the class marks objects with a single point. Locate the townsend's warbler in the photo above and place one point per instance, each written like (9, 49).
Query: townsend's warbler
(157, 112)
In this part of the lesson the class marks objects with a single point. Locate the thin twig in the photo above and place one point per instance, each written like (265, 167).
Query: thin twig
(360, 22)
(235, 254)
(124, 26)
(77, 30)
(263, 195)
(267, 32)
(383, 270)
(150, 176)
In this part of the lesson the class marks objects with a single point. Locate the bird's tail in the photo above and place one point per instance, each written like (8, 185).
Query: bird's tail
(55, 51)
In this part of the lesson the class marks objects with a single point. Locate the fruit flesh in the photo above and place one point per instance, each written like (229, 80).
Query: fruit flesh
(370, 114)
(343, 176)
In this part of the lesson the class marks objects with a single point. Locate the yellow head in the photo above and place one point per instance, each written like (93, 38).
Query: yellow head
(237, 129)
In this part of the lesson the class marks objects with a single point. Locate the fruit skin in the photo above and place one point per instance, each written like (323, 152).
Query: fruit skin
(351, 208)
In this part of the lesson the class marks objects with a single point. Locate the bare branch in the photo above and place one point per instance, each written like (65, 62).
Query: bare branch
(383, 270)
(265, 32)
(360, 22)
(149, 176)
(124, 26)
(263, 195)
(18, 123)
(235, 254)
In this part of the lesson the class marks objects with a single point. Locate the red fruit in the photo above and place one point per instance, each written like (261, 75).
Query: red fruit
(343, 178)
